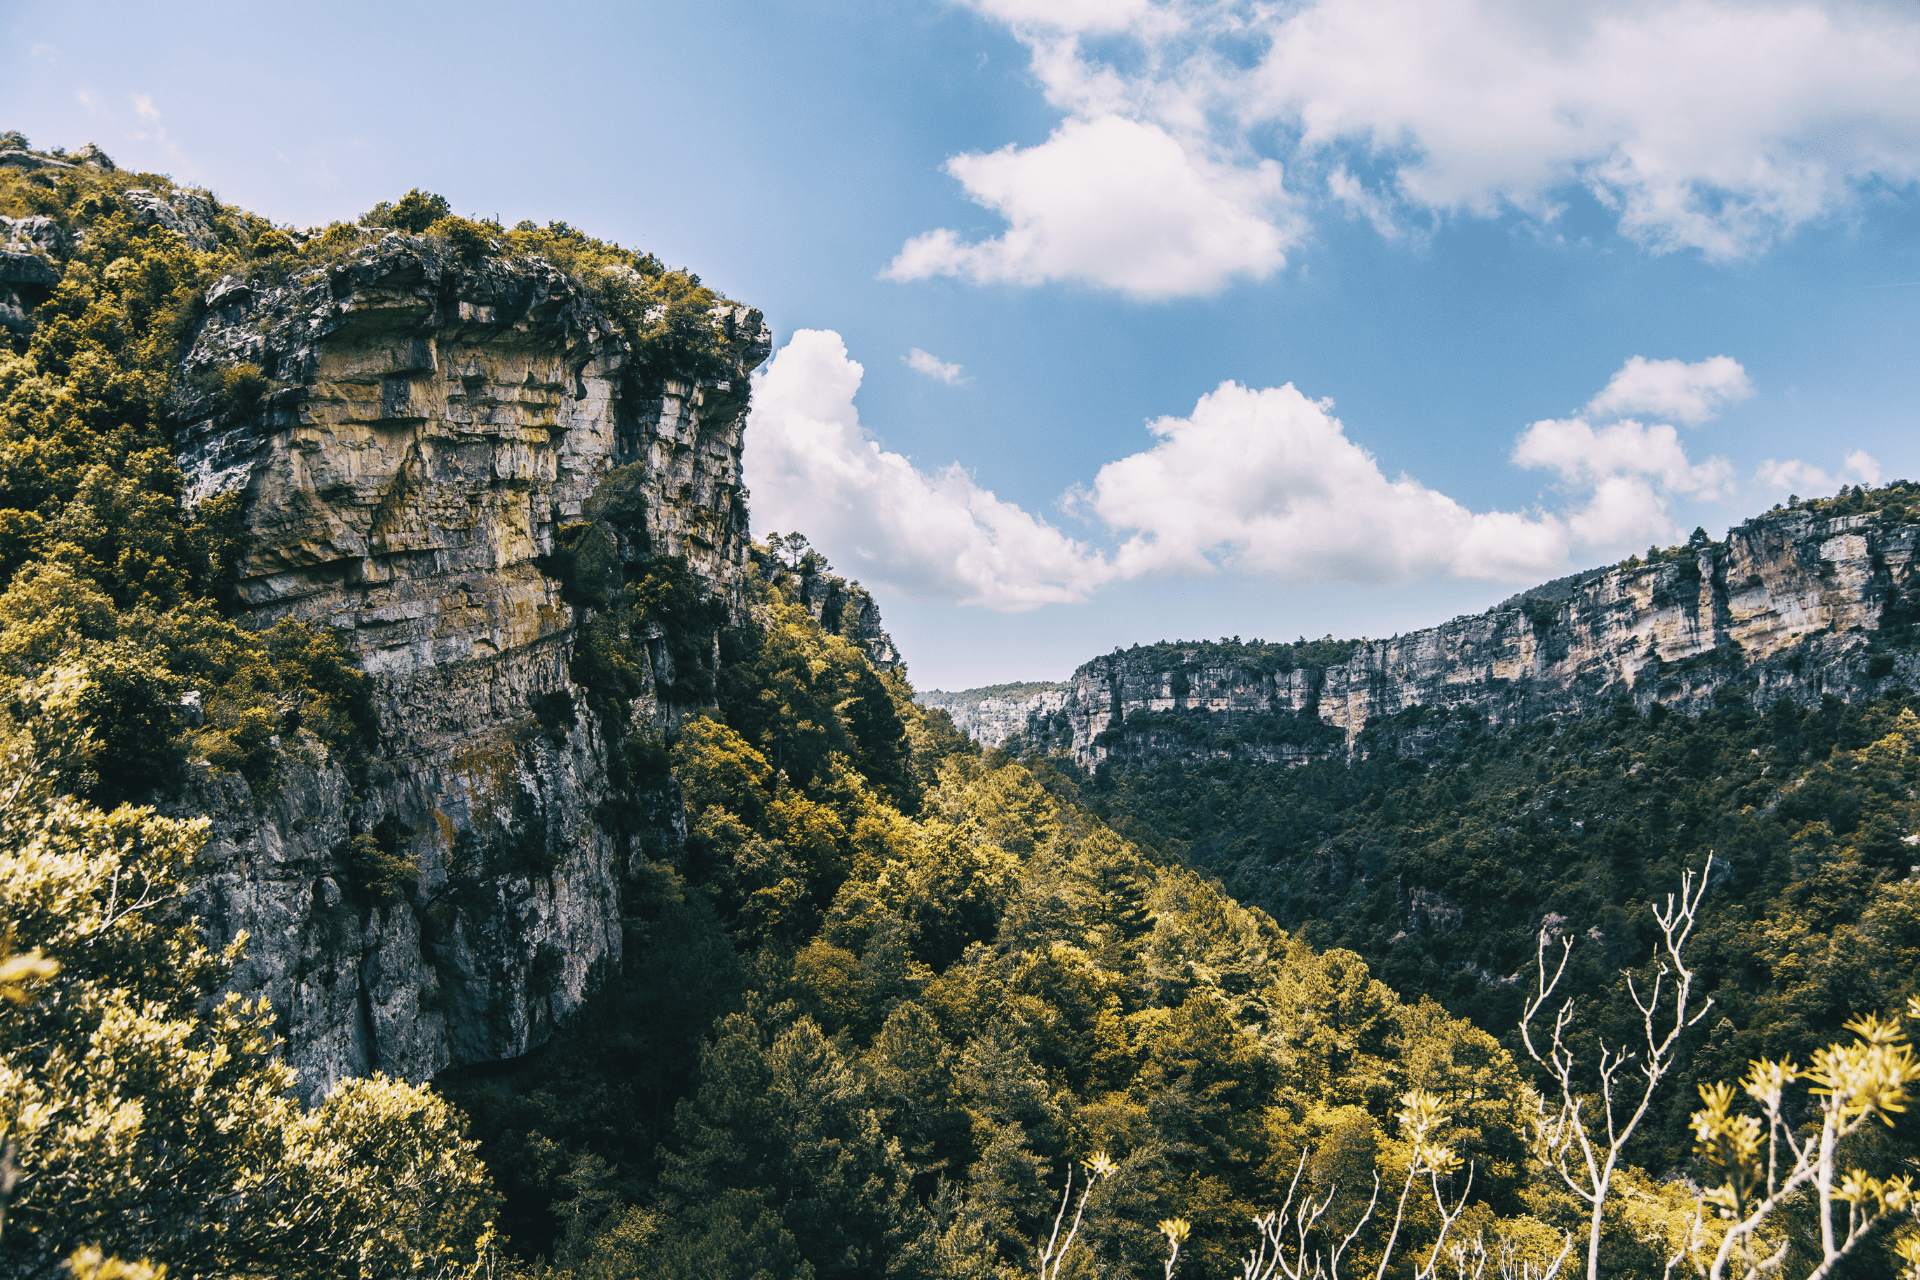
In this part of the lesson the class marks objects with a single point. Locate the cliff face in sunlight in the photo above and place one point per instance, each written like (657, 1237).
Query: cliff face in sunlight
(429, 427)
(1792, 605)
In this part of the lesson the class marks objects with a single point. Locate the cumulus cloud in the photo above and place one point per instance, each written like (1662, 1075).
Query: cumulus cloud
(1584, 454)
(1623, 476)
(810, 466)
(1796, 477)
(1260, 481)
(1267, 482)
(1112, 202)
(933, 366)
(1712, 125)
(1691, 393)
(1630, 472)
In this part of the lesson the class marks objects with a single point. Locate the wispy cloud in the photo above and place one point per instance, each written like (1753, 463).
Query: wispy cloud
(152, 129)
(1796, 477)
(934, 367)
(147, 125)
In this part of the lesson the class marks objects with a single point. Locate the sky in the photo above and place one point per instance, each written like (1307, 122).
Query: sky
(1101, 322)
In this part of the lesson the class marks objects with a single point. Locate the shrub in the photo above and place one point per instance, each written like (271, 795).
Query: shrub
(375, 864)
(466, 237)
(413, 213)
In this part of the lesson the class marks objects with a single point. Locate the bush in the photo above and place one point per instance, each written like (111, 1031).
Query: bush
(375, 863)
(470, 239)
(413, 213)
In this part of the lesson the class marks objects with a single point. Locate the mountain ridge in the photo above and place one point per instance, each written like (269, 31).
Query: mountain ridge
(1799, 602)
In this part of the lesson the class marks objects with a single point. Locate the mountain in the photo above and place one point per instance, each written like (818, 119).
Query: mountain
(1803, 603)
(992, 714)
(435, 840)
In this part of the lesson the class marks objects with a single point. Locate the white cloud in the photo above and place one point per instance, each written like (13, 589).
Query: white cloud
(1692, 393)
(1796, 477)
(1264, 482)
(1267, 482)
(1709, 125)
(1624, 475)
(1067, 15)
(150, 119)
(1630, 473)
(933, 366)
(811, 467)
(1112, 202)
(1584, 454)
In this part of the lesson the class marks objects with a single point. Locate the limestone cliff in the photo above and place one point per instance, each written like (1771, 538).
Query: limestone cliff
(994, 713)
(1792, 604)
(411, 432)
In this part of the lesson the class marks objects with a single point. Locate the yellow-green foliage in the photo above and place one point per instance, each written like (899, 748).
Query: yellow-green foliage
(151, 1119)
(377, 869)
(103, 570)
(106, 568)
(960, 984)
(667, 315)
(1021, 988)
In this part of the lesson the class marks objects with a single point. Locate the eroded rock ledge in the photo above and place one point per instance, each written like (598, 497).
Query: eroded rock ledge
(408, 432)
(1787, 605)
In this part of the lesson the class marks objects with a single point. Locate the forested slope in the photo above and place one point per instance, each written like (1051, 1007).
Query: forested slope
(729, 957)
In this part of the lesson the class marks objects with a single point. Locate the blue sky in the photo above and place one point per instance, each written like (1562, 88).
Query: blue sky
(1460, 221)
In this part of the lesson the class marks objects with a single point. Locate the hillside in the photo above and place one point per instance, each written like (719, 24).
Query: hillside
(437, 841)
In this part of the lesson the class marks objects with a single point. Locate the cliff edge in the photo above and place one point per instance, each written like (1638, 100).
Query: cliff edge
(1798, 604)
(435, 456)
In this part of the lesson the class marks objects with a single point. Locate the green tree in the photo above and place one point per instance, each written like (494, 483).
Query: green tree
(147, 1115)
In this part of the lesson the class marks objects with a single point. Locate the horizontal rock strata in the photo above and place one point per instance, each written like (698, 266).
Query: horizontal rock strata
(1788, 605)
(425, 428)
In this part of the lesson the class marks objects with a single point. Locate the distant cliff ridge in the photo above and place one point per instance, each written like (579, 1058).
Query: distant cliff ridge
(1796, 604)
(995, 713)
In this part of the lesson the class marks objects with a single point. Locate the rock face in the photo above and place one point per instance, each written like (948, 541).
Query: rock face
(27, 271)
(1789, 605)
(426, 427)
(993, 714)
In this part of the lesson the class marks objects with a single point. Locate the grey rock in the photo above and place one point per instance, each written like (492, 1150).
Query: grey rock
(189, 214)
(15, 158)
(428, 427)
(26, 235)
(1785, 607)
(27, 268)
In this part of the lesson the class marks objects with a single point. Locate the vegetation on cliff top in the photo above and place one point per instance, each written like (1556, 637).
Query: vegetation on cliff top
(101, 565)
(880, 993)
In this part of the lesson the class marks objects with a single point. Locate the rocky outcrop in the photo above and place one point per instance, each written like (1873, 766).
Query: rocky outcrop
(842, 608)
(993, 714)
(27, 269)
(408, 432)
(1791, 605)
